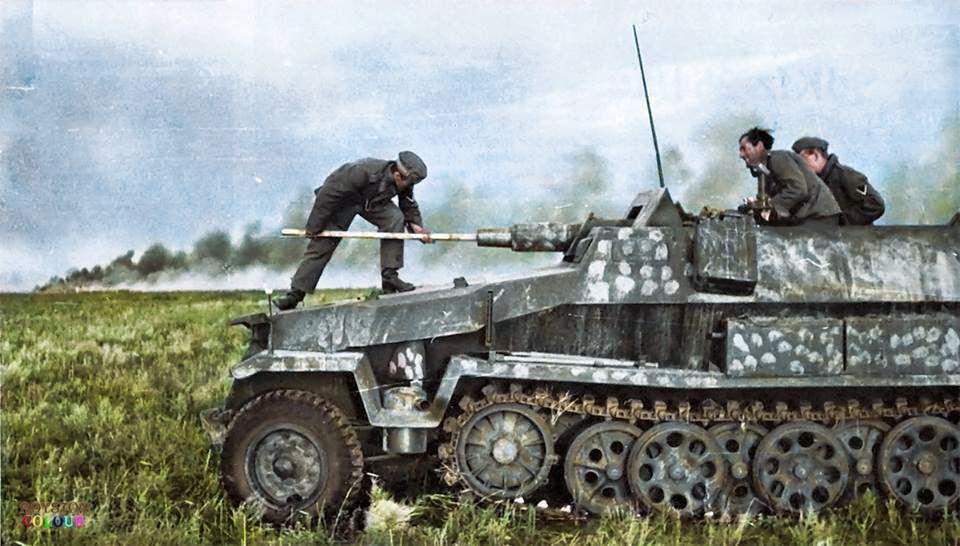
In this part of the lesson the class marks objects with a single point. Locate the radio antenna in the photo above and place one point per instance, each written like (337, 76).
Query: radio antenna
(646, 96)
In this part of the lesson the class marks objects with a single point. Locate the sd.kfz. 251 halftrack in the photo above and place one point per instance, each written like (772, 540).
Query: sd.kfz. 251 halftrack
(666, 363)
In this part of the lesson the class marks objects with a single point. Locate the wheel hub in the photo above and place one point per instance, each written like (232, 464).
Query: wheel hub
(287, 465)
(740, 470)
(800, 469)
(614, 472)
(865, 467)
(926, 464)
(677, 472)
(283, 467)
(505, 451)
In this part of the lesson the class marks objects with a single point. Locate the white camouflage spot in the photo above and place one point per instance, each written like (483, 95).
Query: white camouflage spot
(625, 268)
(655, 235)
(603, 248)
(894, 341)
(598, 292)
(623, 286)
(768, 358)
(796, 367)
(750, 363)
(521, 370)
(952, 341)
(661, 253)
(648, 288)
(756, 339)
(920, 352)
(774, 335)
(595, 270)
(949, 365)
(624, 233)
(931, 362)
(907, 339)
(784, 346)
(901, 360)
(646, 272)
(666, 273)
(933, 334)
(671, 287)
(740, 343)
(735, 365)
(627, 248)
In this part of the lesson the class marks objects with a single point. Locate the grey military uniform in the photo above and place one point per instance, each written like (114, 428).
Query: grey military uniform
(364, 187)
(861, 202)
(796, 193)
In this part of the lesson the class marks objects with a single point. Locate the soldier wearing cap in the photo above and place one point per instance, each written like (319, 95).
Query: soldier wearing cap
(859, 202)
(797, 195)
(365, 187)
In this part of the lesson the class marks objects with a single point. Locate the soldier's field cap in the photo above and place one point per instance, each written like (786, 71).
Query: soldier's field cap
(411, 166)
(809, 142)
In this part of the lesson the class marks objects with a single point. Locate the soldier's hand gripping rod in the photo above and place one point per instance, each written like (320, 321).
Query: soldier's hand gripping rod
(382, 235)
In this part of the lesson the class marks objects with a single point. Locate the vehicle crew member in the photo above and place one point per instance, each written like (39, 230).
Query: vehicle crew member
(365, 187)
(860, 203)
(797, 195)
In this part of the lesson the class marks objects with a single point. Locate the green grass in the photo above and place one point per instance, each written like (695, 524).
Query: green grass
(100, 400)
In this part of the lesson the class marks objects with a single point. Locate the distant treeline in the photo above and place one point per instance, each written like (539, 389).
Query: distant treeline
(212, 254)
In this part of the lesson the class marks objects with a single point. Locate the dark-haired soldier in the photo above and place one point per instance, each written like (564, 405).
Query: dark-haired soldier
(859, 202)
(365, 187)
(797, 195)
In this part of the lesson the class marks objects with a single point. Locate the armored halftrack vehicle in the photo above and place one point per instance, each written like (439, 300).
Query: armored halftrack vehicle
(666, 363)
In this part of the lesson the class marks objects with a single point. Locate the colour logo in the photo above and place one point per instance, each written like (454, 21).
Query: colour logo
(54, 515)
(57, 521)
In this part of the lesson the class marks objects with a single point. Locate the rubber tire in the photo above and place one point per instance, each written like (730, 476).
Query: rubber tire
(328, 428)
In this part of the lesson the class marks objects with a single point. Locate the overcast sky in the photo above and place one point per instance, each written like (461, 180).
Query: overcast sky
(126, 123)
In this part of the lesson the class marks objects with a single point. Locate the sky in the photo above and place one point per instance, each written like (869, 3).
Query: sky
(128, 123)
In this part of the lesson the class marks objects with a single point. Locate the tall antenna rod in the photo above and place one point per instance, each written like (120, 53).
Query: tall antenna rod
(643, 77)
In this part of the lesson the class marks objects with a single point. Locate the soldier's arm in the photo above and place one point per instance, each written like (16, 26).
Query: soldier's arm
(867, 200)
(410, 208)
(330, 196)
(794, 186)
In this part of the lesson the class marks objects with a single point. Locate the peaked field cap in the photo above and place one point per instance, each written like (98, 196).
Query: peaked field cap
(411, 165)
(809, 142)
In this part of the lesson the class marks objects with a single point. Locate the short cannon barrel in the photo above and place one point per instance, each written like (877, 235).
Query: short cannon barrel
(533, 237)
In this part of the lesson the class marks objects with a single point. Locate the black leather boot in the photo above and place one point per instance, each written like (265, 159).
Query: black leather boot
(289, 301)
(392, 282)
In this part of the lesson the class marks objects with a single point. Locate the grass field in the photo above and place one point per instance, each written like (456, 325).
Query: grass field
(100, 400)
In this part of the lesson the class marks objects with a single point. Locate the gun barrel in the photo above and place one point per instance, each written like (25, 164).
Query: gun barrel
(536, 237)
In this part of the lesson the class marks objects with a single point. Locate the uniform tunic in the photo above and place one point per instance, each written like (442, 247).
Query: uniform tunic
(796, 193)
(859, 202)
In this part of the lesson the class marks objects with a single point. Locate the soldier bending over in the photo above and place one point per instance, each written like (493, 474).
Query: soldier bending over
(797, 195)
(859, 202)
(365, 187)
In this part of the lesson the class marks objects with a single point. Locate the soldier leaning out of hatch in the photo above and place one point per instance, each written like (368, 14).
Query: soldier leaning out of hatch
(796, 194)
(365, 187)
(860, 203)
